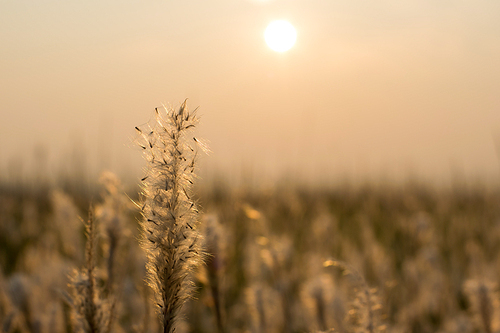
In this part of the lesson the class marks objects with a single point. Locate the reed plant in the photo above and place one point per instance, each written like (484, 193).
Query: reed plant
(170, 217)
(93, 310)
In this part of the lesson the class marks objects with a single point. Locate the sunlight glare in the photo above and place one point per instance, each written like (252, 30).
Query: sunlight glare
(280, 35)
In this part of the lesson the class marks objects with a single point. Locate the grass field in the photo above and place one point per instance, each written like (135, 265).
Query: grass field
(280, 259)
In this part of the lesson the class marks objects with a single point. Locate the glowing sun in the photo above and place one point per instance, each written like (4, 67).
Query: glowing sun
(280, 35)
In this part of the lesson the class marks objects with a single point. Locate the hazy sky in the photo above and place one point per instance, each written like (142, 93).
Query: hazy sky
(371, 89)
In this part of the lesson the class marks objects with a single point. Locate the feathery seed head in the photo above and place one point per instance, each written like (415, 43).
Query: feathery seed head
(171, 239)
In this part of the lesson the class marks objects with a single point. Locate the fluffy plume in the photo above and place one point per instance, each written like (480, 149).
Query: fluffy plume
(93, 313)
(170, 216)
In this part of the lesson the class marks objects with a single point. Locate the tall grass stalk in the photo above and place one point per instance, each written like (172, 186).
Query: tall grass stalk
(90, 308)
(170, 216)
(94, 314)
(214, 246)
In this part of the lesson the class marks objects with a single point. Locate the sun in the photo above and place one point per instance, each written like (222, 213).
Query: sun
(280, 35)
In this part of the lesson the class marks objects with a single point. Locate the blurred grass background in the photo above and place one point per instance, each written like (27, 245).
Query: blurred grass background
(289, 258)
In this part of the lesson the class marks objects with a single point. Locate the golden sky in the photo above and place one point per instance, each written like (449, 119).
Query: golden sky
(371, 89)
